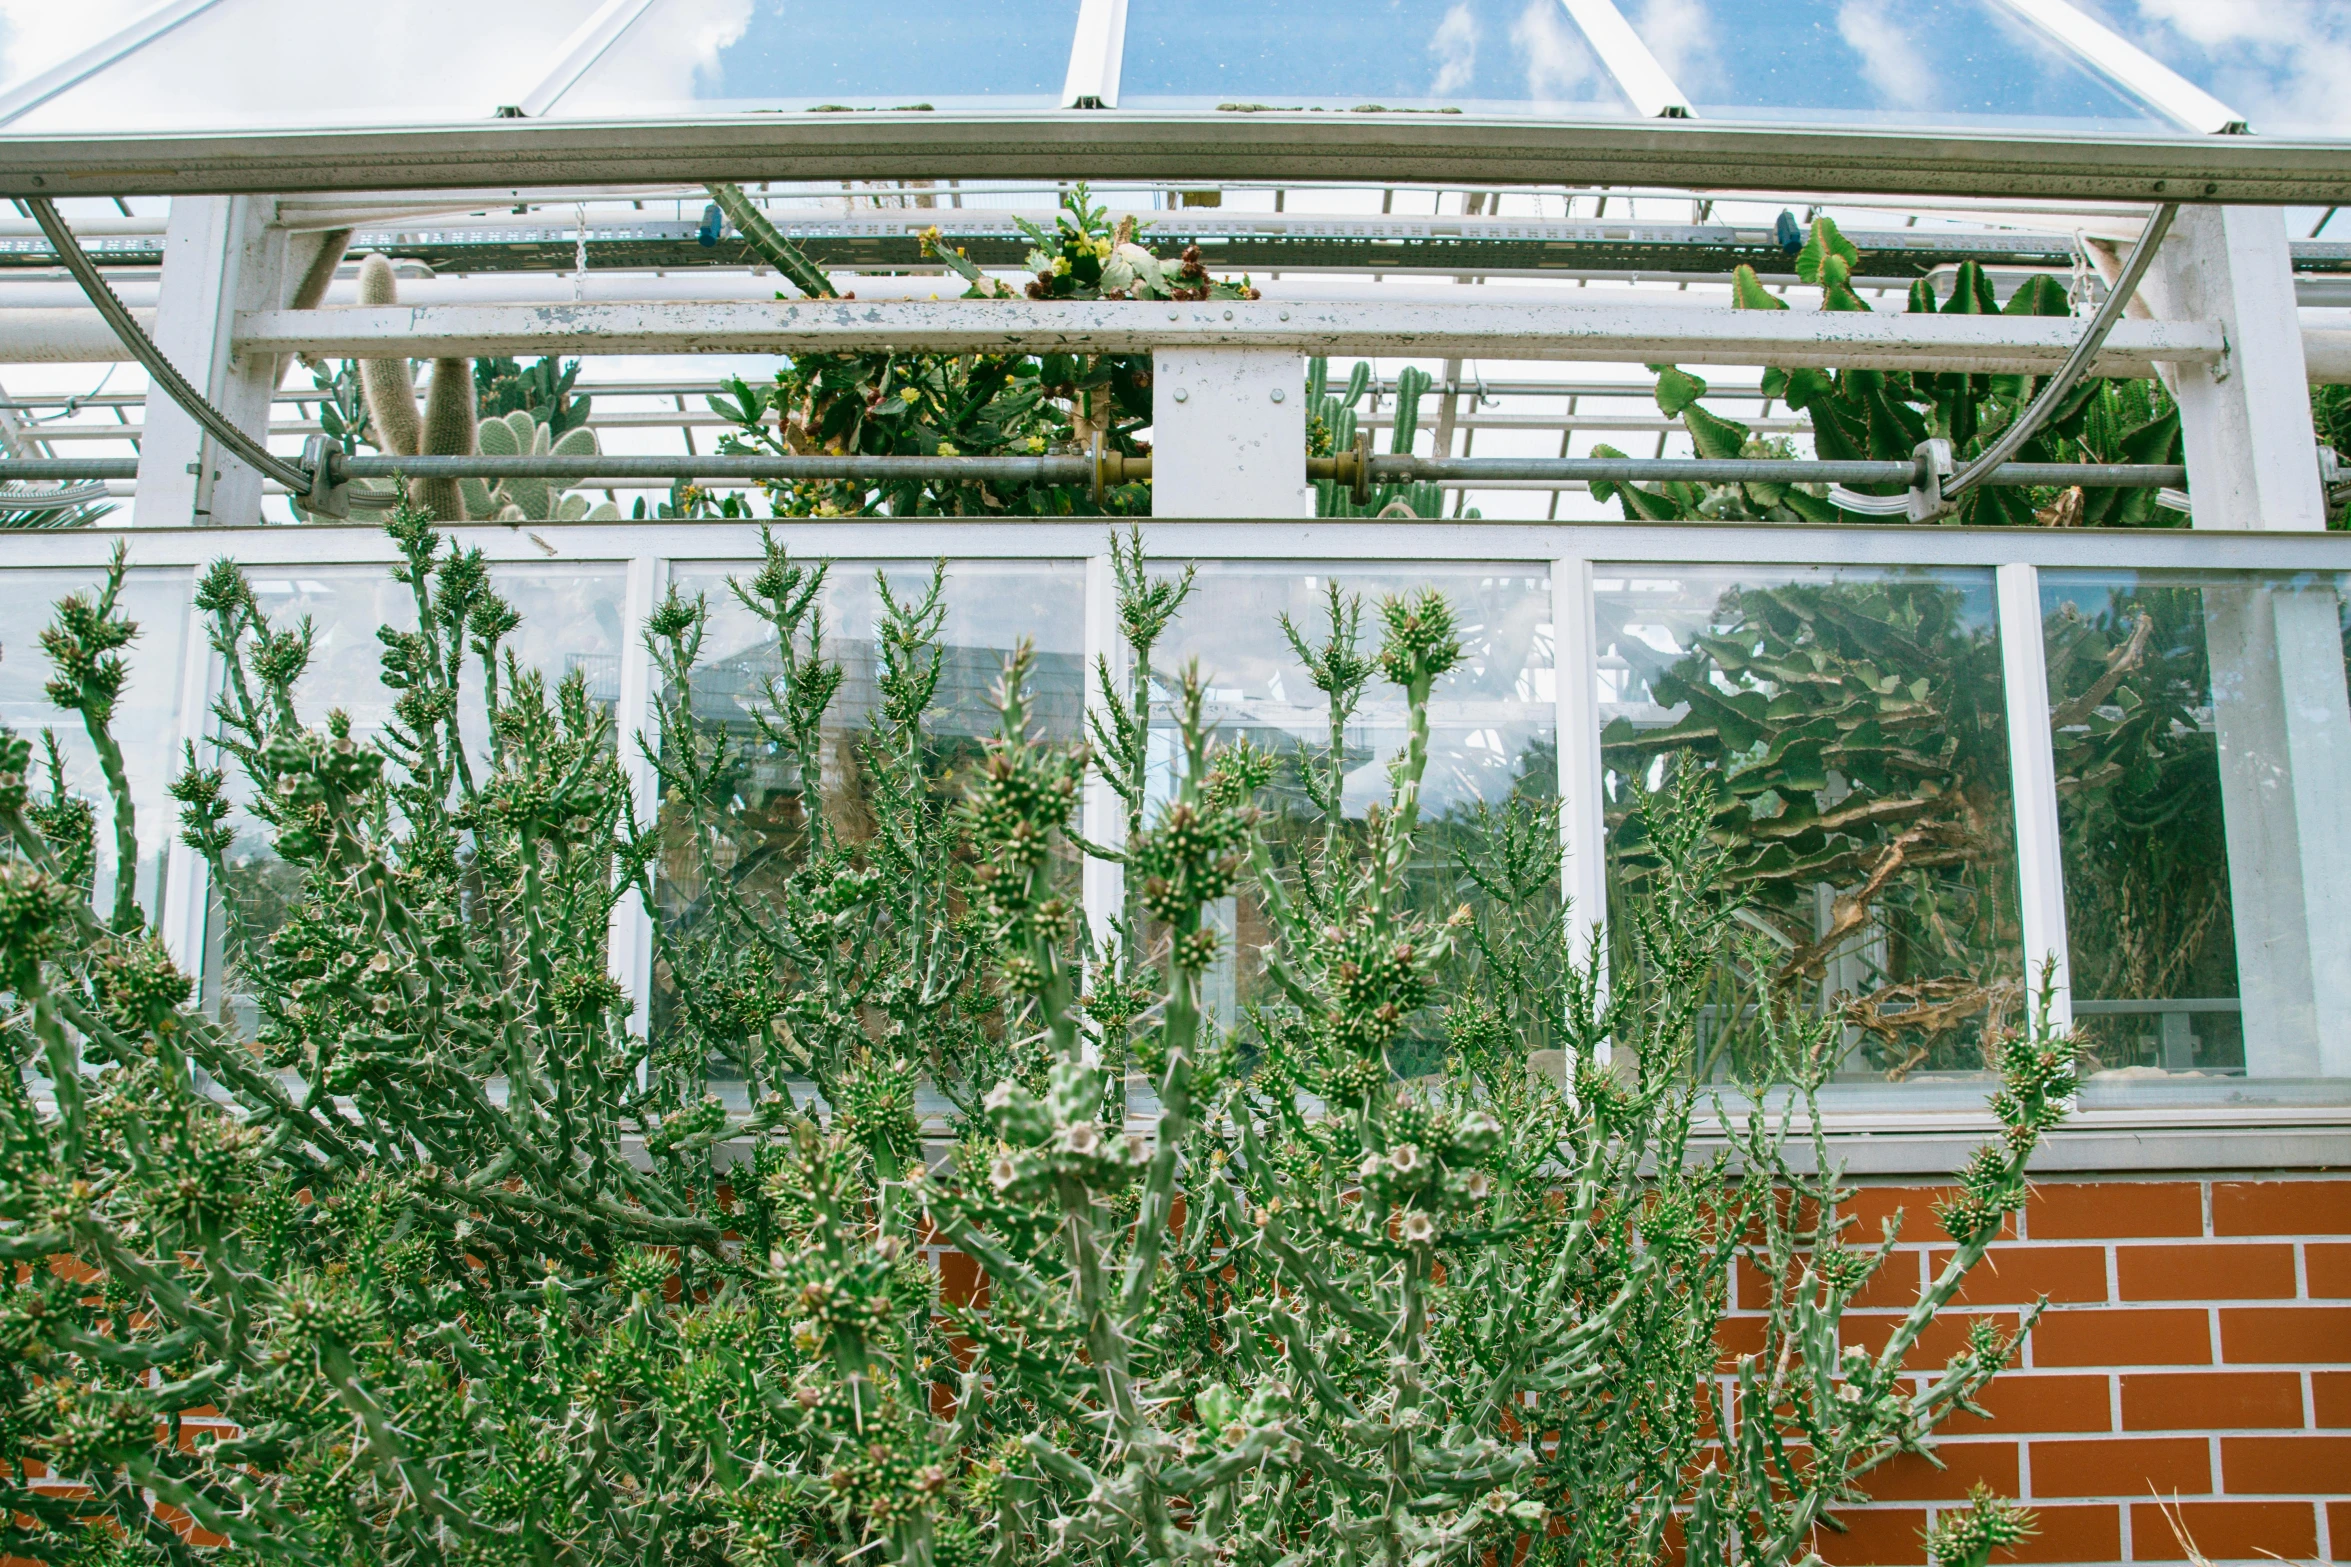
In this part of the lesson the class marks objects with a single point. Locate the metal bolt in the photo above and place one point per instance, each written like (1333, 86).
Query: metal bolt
(1171, 315)
(1182, 396)
(1228, 315)
(1285, 315)
(1277, 394)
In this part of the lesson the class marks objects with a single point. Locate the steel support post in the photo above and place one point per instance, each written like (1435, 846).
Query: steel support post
(2276, 653)
(629, 942)
(1583, 830)
(1228, 433)
(221, 257)
(2032, 773)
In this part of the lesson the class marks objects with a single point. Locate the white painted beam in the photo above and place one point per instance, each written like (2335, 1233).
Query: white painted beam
(1097, 50)
(1227, 425)
(1612, 332)
(70, 73)
(580, 52)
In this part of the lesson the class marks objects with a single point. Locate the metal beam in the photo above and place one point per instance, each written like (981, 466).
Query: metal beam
(1097, 51)
(1279, 144)
(580, 53)
(1653, 93)
(1625, 333)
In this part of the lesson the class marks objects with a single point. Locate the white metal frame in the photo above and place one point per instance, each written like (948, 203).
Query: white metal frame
(580, 53)
(2137, 71)
(1097, 55)
(1651, 89)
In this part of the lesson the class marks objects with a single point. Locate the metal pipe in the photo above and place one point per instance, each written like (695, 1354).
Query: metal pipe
(1117, 469)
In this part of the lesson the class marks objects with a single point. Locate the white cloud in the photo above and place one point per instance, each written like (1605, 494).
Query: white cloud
(1681, 34)
(1558, 67)
(1899, 72)
(1455, 44)
(2283, 64)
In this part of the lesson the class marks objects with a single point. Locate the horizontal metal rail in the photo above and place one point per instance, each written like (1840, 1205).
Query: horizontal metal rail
(1263, 241)
(1117, 469)
(1279, 142)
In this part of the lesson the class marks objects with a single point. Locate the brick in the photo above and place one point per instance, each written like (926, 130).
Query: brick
(2285, 1465)
(2225, 1531)
(1876, 1537)
(1943, 1338)
(2327, 1264)
(2020, 1275)
(2205, 1272)
(2331, 1402)
(961, 1283)
(2297, 1334)
(1736, 1336)
(1871, 1206)
(2071, 1534)
(2281, 1207)
(2122, 1466)
(2113, 1210)
(2210, 1400)
(2339, 1528)
(1907, 1477)
(2020, 1401)
(2125, 1336)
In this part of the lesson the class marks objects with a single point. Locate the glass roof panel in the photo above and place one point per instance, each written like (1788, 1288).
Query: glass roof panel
(861, 54)
(37, 34)
(297, 62)
(1910, 62)
(2280, 63)
(1477, 56)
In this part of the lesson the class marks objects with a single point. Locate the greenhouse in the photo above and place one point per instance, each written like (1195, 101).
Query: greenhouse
(1139, 784)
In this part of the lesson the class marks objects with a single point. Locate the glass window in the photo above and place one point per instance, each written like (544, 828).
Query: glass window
(762, 54)
(1854, 720)
(571, 620)
(990, 607)
(1475, 56)
(1948, 62)
(147, 715)
(2278, 64)
(2203, 745)
(282, 62)
(36, 35)
(1493, 722)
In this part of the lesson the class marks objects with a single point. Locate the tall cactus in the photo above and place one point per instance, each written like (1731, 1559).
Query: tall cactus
(447, 428)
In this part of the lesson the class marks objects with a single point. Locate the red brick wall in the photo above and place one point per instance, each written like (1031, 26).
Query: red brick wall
(2197, 1343)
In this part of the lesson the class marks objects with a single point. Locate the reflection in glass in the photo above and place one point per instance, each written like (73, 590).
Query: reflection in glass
(1854, 718)
(2203, 745)
(749, 54)
(1950, 62)
(289, 62)
(571, 621)
(146, 716)
(991, 607)
(1476, 56)
(1493, 722)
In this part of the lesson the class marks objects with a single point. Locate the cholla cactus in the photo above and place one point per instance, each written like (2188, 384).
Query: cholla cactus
(463, 1271)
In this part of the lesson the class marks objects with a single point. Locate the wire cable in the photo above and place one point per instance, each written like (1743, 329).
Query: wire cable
(2037, 413)
(134, 337)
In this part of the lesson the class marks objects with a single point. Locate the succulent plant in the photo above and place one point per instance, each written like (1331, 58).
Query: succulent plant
(518, 434)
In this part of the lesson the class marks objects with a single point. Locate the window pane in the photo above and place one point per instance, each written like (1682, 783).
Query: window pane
(763, 54)
(146, 717)
(1493, 722)
(296, 62)
(571, 620)
(38, 34)
(1475, 56)
(2279, 64)
(1945, 62)
(990, 607)
(1854, 719)
(2203, 745)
